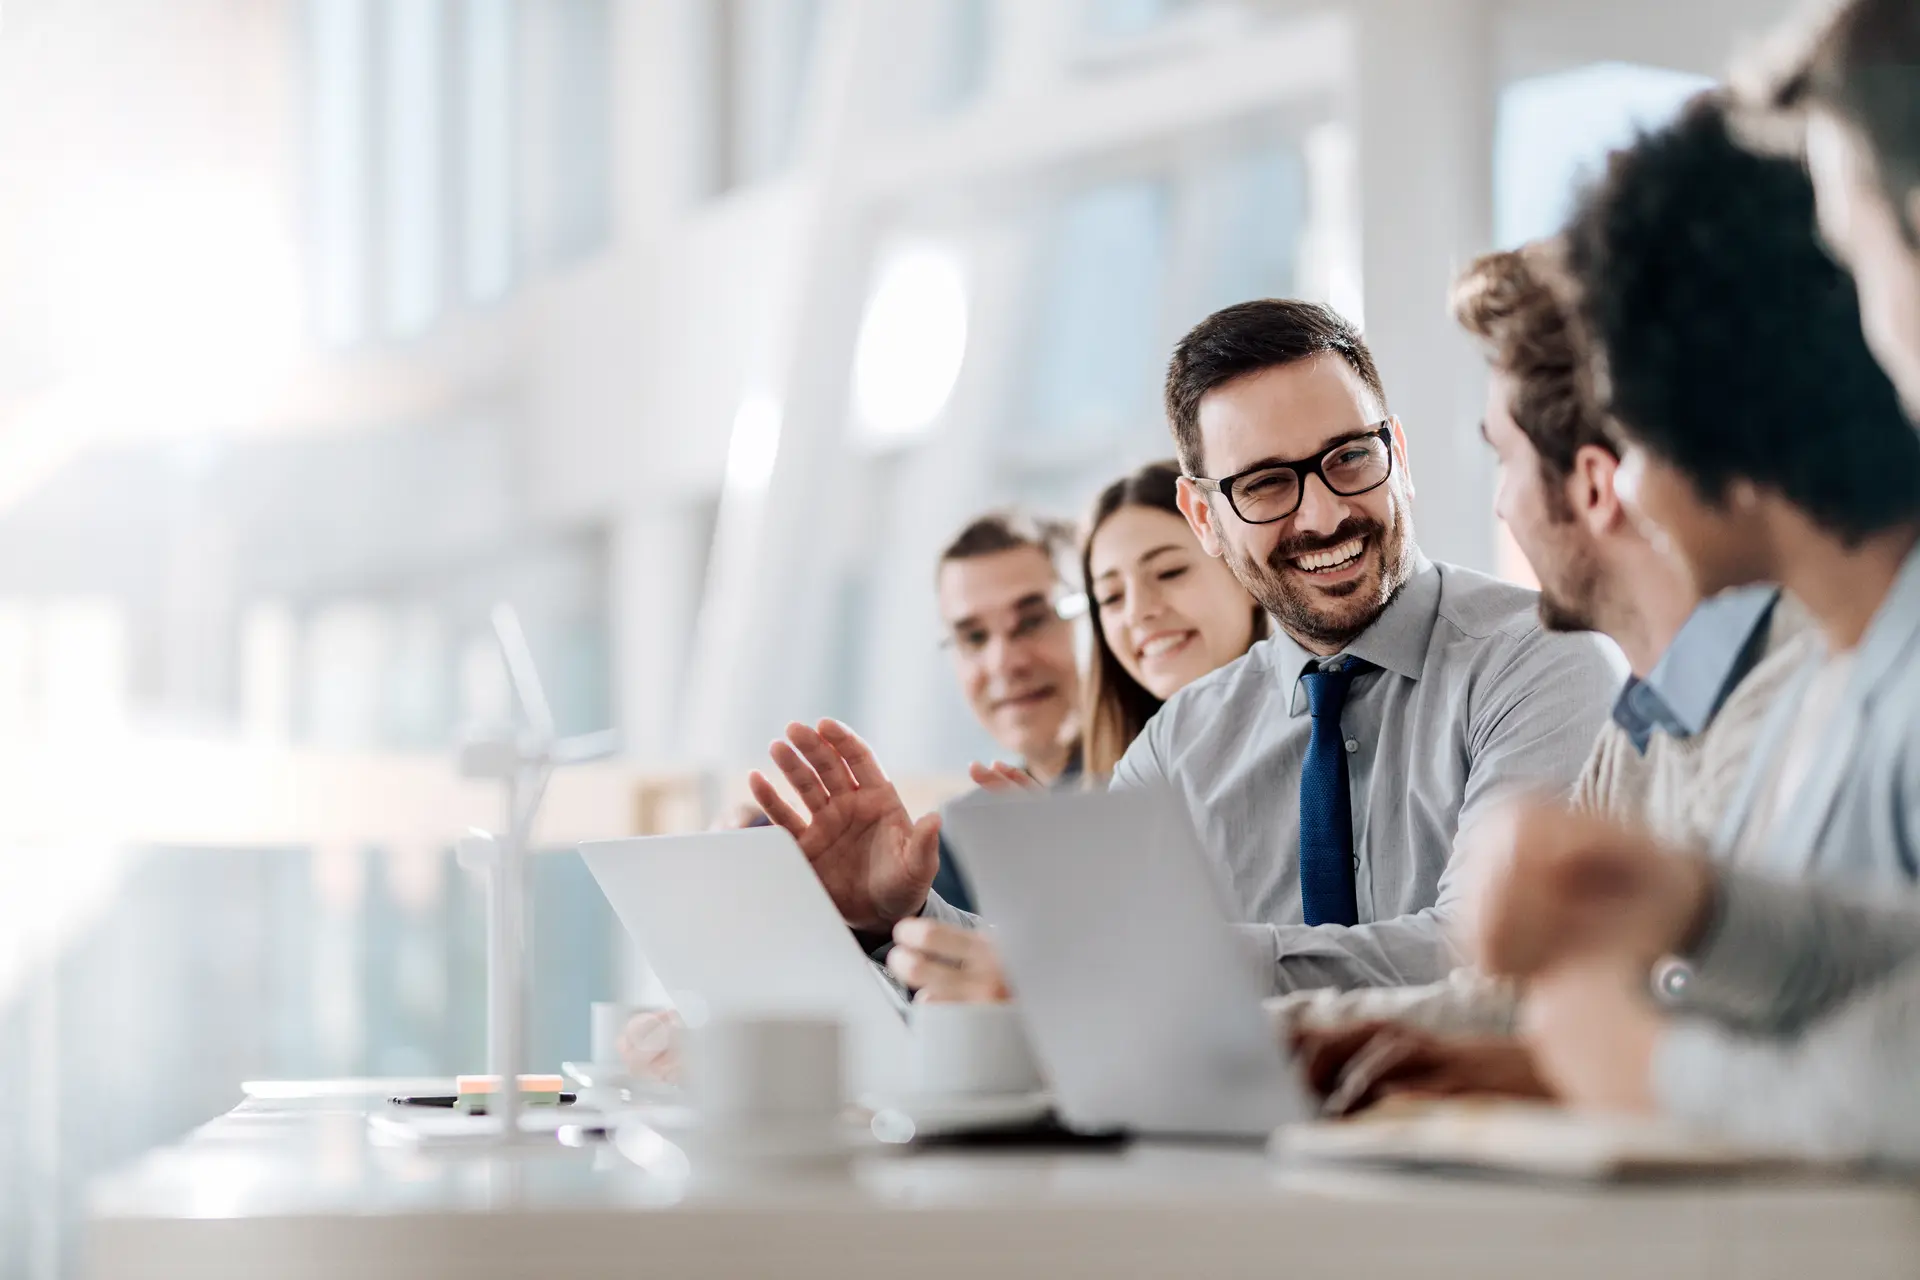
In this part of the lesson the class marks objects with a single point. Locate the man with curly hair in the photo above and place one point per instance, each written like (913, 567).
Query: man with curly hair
(1763, 444)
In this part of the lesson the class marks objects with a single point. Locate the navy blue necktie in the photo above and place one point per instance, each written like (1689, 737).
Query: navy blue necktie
(1326, 815)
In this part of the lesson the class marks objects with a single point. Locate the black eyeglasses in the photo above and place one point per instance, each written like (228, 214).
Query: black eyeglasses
(1031, 618)
(1272, 490)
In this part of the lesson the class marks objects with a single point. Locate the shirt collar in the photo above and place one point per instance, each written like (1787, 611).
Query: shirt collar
(1895, 625)
(1710, 655)
(1396, 641)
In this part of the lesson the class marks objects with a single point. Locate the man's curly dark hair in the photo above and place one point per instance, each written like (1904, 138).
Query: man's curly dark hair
(1728, 342)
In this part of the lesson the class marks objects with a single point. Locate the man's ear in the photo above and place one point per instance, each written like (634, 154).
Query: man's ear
(1199, 513)
(1401, 466)
(1590, 490)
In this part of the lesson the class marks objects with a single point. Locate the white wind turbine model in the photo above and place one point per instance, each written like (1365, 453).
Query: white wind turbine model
(521, 762)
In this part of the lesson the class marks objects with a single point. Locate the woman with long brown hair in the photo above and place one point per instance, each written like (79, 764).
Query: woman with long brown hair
(1165, 613)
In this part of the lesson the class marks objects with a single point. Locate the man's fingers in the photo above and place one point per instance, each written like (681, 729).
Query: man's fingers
(945, 942)
(935, 980)
(1002, 777)
(1324, 1051)
(824, 757)
(923, 849)
(775, 805)
(1365, 1070)
(800, 776)
(861, 761)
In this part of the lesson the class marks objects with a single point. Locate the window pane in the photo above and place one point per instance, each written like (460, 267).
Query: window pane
(487, 171)
(962, 54)
(414, 151)
(1119, 18)
(1253, 208)
(1096, 344)
(578, 138)
(771, 44)
(340, 82)
(1554, 131)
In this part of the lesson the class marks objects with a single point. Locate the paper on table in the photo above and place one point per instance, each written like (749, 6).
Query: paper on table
(445, 1125)
(1522, 1138)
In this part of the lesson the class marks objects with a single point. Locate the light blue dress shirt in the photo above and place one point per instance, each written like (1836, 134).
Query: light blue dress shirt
(1720, 642)
(1472, 699)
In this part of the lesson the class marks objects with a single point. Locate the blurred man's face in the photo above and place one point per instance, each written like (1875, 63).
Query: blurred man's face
(1717, 545)
(1329, 569)
(1558, 545)
(1864, 231)
(1011, 649)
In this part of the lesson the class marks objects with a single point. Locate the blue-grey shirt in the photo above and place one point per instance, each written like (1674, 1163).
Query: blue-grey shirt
(1720, 642)
(1471, 698)
(1855, 817)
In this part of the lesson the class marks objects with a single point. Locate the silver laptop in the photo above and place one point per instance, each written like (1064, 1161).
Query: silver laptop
(1141, 1005)
(736, 923)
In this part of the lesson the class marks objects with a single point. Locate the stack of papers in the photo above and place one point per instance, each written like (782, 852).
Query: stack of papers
(1519, 1138)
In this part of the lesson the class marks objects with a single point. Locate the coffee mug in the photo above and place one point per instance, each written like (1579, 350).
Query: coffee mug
(771, 1070)
(606, 1020)
(971, 1049)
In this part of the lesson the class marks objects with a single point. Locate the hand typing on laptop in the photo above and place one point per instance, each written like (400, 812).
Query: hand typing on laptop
(876, 862)
(945, 963)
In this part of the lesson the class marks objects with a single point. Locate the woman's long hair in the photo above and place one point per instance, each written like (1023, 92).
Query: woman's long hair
(1117, 705)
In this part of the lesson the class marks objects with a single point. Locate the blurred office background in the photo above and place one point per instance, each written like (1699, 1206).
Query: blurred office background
(691, 328)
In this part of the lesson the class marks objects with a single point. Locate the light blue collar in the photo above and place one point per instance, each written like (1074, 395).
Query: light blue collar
(1718, 644)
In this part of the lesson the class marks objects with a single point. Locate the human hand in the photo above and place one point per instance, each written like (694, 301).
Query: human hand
(1593, 1031)
(1362, 1063)
(1564, 885)
(945, 963)
(1003, 778)
(649, 1045)
(876, 862)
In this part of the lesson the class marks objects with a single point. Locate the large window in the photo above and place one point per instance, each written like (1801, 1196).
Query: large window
(449, 145)
(1553, 132)
(1095, 342)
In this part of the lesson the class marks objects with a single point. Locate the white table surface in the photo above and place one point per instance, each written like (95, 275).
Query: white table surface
(295, 1187)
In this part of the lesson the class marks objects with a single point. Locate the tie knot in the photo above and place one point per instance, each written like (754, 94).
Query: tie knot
(1327, 690)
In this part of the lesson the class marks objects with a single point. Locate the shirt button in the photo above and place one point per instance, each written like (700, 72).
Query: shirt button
(1353, 745)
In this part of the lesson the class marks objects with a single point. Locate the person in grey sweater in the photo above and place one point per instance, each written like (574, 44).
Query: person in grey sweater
(1791, 1015)
(1802, 1026)
(1726, 333)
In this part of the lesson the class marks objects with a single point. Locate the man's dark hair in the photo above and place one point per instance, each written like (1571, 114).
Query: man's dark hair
(1508, 301)
(1009, 530)
(1862, 62)
(1246, 338)
(1728, 342)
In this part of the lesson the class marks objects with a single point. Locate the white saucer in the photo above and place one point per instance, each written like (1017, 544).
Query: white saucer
(674, 1143)
(934, 1114)
(616, 1083)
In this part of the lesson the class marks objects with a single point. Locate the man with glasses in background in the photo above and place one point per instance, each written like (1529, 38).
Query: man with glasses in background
(1006, 617)
(1328, 771)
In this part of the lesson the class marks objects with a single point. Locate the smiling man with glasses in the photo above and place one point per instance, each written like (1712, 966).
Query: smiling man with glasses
(1328, 771)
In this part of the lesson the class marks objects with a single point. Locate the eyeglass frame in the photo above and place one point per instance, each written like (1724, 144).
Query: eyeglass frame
(1061, 607)
(1302, 470)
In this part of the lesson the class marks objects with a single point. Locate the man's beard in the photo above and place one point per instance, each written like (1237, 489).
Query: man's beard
(1566, 613)
(1573, 603)
(1302, 610)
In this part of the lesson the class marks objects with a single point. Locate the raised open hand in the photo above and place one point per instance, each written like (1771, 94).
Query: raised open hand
(876, 862)
(1003, 778)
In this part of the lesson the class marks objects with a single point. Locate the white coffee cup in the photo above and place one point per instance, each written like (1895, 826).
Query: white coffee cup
(776, 1070)
(972, 1050)
(607, 1020)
